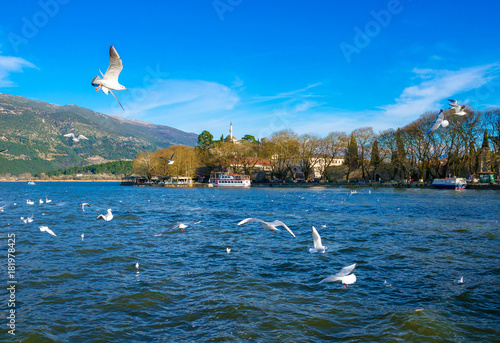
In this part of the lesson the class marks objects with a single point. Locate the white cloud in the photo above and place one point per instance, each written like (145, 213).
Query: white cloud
(174, 100)
(10, 64)
(438, 85)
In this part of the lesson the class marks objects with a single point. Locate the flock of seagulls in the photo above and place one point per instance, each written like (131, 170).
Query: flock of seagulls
(440, 121)
(345, 275)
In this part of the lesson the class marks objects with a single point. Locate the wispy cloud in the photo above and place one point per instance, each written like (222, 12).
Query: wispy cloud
(436, 87)
(176, 99)
(10, 64)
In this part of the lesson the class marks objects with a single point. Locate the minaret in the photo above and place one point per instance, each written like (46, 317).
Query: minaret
(231, 131)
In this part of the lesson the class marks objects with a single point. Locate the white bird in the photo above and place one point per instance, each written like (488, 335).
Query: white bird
(318, 247)
(83, 235)
(107, 217)
(461, 280)
(76, 139)
(137, 265)
(4, 150)
(109, 80)
(228, 250)
(343, 276)
(1, 209)
(460, 110)
(169, 160)
(83, 206)
(182, 226)
(40, 201)
(453, 102)
(387, 284)
(440, 121)
(47, 200)
(271, 226)
(29, 202)
(28, 219)
(46, 229)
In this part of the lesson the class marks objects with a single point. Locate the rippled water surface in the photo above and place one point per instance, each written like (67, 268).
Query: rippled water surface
(188, 288)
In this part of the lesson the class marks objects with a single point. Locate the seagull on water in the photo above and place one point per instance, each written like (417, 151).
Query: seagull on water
(107, 217)
(29, 202)
(83, 235)
(47, 200)
(46, 229)
(182, 226)
(228, 250)
(109, 80)
(83, 206)
(461, 280)
(440, 121)
(40, 201)
(386, 284)
(76, 139)
(343, 276)
(271, 226)
(137, 265)
(318, 247)
(169, 160)
(1, 209)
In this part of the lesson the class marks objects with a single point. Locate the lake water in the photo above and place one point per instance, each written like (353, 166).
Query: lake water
(188, 288)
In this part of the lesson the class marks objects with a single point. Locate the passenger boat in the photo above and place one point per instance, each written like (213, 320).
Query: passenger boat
(451, 183)
(229, 180)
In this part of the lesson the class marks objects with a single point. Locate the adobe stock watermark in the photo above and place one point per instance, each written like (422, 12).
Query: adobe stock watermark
(277, 123)
(223, 6)
(31, 25)
(363, 36)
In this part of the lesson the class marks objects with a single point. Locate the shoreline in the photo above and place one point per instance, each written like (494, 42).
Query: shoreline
(283, 185)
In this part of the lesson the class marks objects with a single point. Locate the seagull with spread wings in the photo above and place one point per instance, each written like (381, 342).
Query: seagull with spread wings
(109, 81)
(169, 160)
(343, 276)
(271, 226)
(318, 246)
(76, 139)
(439, 121)
(181, 226)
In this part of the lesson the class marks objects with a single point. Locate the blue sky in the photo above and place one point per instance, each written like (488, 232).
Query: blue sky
(310, 66)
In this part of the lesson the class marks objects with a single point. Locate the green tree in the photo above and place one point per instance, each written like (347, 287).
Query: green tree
(375, 158)
(351, 157)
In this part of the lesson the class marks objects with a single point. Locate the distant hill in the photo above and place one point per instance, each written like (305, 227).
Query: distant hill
(32, 131)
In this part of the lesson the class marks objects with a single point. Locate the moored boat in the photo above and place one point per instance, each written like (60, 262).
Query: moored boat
(221, 179)
(451, 183)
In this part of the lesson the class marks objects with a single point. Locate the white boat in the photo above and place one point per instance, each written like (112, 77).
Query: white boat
(229, 180)
(451, 183)
(31, 183)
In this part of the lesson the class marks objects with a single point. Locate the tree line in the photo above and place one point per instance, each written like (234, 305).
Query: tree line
(406, 153)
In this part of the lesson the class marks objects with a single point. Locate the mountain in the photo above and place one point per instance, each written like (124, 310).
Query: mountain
(32, 131)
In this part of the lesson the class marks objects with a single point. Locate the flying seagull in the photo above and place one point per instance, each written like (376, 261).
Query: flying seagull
(343, 276)
(318, 247)
(453, 102)
(28, 219)
(182, 226)
(83, 206)
(460, 110)
(46, 229)
(170, 161)
(440, 121)
(76, 139)
(107, 217)
(4, 150)
(271, 226)
(109, 80)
